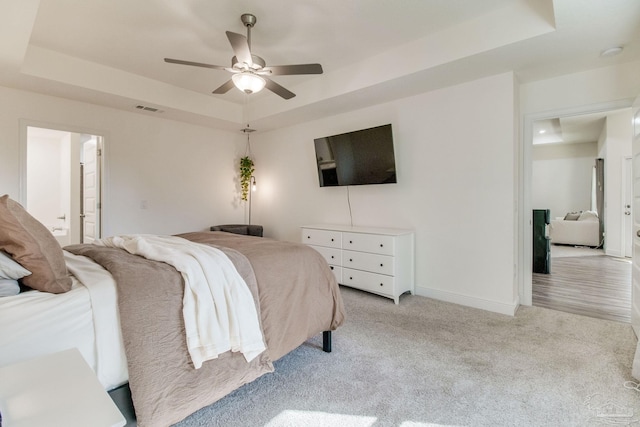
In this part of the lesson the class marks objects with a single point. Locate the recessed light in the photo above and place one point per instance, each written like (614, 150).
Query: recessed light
(612, 51)
(541, 131)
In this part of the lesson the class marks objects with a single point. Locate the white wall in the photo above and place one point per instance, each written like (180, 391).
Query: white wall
(562, 175)
(186, 173)
(455, 155)
(46, 178)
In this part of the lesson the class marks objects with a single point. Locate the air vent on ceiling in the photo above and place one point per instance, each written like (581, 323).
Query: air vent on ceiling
(152, 109)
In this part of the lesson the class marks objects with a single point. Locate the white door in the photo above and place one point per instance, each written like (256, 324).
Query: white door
(90, 214)
(628, 207)
(635, 278)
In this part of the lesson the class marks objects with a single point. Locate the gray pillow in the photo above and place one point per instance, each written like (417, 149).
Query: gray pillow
(9, 287)
(9, 269)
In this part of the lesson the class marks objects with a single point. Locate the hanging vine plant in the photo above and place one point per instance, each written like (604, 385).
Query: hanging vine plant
(246, 171)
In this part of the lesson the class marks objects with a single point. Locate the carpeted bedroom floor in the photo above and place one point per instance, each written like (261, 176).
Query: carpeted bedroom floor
(431, 363)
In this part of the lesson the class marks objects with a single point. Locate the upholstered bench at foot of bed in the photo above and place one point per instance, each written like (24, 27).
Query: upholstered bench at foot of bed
(244, 229)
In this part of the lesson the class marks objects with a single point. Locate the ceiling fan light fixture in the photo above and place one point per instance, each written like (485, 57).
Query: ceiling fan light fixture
(248, 82)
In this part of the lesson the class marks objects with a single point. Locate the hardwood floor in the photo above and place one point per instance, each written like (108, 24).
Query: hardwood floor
(596, 286)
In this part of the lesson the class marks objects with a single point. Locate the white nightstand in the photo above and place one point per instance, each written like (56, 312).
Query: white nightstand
(58, 389)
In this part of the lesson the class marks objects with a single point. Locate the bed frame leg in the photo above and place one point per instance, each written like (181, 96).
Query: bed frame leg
(326, 341)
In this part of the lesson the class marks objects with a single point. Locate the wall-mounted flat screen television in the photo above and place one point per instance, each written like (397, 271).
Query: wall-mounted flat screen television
(356, 158)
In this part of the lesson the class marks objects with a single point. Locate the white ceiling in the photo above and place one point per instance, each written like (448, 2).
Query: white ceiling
(570, 130)
(110, 52)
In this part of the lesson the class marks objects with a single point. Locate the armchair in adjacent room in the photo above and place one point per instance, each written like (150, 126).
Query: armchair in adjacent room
(246, 229)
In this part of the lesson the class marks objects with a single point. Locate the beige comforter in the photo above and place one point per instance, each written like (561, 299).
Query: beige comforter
(296, 297)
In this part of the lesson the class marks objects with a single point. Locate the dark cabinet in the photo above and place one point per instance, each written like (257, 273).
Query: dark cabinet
(541, 243)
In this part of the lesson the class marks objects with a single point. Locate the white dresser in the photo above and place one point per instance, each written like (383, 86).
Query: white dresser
(377, 260)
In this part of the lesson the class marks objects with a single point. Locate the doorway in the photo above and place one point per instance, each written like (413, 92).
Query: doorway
(583, 279)
(62, 182)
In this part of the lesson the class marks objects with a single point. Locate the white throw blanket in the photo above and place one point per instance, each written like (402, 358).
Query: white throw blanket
(218, 308)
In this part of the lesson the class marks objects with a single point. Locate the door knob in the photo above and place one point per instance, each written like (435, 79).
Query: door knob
(627, 213)
(638, 233)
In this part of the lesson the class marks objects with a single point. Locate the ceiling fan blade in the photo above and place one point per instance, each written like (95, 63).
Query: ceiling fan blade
(240, 47)
(277, 89)
(226, 87)
(283, 70)
(195, 64)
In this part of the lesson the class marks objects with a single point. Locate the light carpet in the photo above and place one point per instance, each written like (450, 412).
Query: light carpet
(431, 363)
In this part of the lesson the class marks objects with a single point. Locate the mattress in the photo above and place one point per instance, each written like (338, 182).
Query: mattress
(36, 323)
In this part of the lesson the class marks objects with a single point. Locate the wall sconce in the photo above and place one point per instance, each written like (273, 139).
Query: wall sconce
(253, 188)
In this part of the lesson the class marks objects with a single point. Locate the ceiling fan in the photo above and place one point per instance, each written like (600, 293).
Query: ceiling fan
(250, 72)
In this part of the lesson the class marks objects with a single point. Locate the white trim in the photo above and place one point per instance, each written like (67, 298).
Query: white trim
(525, 233)
(614, 253)
(483, 304)
(526, 176)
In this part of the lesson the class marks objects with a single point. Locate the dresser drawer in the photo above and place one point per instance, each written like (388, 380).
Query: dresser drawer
(333, 256)
(328, 238)
(373, 243)
(378, 283)
(382, 264)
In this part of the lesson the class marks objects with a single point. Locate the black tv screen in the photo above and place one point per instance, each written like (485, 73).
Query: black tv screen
(356, 158)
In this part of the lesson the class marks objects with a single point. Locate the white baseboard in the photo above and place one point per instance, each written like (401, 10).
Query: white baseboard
(614, 253)
(483, 304)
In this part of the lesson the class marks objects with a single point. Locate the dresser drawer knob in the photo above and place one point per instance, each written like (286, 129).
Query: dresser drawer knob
(381, 245)
(381, 284)
(332, 257)
(350, 260)
(381, 265)
(331, 267)
(350, 241)
(332, 240)
(308, 237)
(350, 278)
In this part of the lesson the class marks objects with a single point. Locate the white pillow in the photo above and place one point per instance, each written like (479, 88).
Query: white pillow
(9, 287)
(9, 269)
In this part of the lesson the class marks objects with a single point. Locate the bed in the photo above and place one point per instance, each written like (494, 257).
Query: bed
(125, 314)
